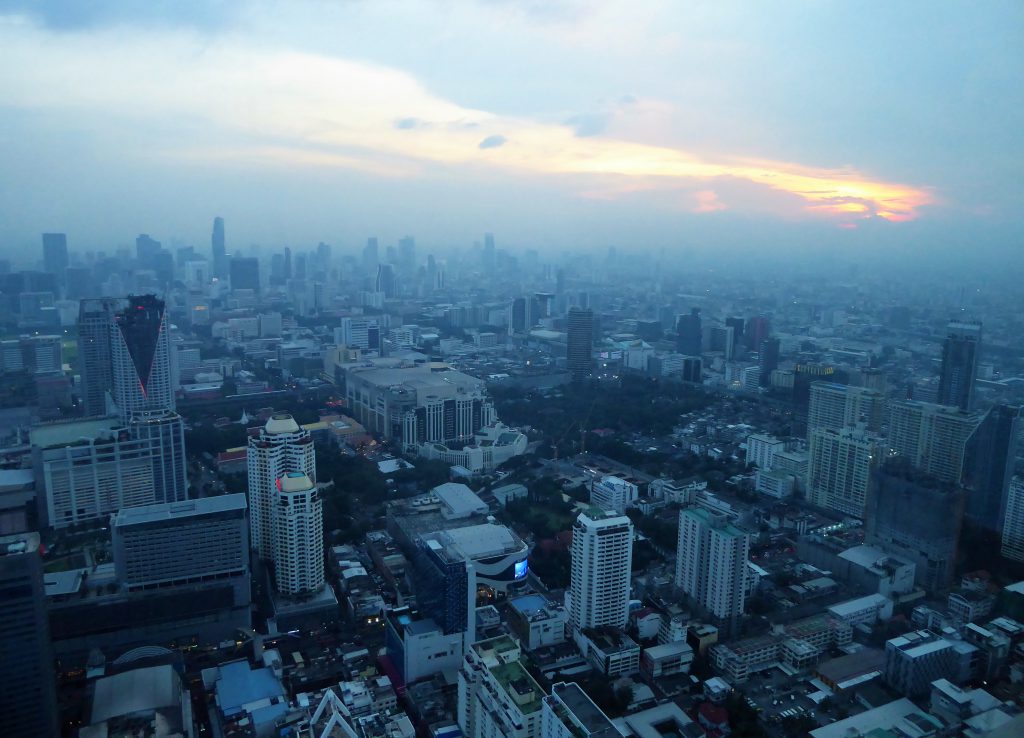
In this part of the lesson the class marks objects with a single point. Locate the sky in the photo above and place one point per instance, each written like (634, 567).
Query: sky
(557, 124)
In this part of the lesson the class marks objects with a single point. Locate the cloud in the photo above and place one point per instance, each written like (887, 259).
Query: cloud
(63, 15)
(492, 142)
(589, 124)
(318, 110)
(708, 202)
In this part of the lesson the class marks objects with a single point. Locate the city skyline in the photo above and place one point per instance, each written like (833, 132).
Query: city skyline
(651, 126)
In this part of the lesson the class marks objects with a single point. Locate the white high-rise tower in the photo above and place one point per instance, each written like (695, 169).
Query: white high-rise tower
(711, 562)
(281, 447)
(298, 535)
(602, 563)
(140, 357)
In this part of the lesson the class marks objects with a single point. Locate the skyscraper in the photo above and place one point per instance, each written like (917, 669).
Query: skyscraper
(28, 688)
(959, 364)
(371, 256)
(140, 356)
(162, 434)
(489, 257)
(55, 255)
(836, 406)
(245, 273)
(1013, 521)
(298, 535)
(768, 359)
(580, 343)
(281, 447)
(386, 281)
(711, 563)
(602, 564)
(841, 466)
(407, 255)
(446, 586)
(220, 256)
(988, 465)
(933, 438)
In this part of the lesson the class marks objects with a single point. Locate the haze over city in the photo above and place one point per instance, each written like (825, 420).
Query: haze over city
(715, 126)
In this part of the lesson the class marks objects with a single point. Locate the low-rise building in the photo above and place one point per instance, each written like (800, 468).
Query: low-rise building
(611, 652)
(916, 659)
(866, 610)
(666, 660)
(537, 622)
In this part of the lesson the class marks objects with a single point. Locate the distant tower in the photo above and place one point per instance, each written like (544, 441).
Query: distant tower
(959, 364)
(28, 687)
(298, 535)
(371, 256)
(989, 458)
(835, 406)
(489, 256)
(689, 333)
(281, 447)
(95, 318)
(580, 343)
(768, 360)
(711, 563)
(140, 356)
(386, 281)
(55, 255)
(220, 256)
(602, 554)
(245, 273)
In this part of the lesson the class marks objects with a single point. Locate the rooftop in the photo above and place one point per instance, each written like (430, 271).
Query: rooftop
(178, 510)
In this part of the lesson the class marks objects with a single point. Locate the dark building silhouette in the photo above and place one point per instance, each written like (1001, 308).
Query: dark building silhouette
(689, 334)
(55, 255)
(245, 273)
(445, 586)
(146, 249)
(580, 343)
(768, 359)
(737, 325)
(28, 687)
(959, 364)
(758, 328)
(914, 515)
(489, 257)
(988, 466)
(518, 316)
(220, 255)
(371, 256)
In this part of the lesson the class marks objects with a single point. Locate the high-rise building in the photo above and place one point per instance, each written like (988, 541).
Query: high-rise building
(298, 520)
(146, 249)
(446, 586)
(95, 317)
(758, 328)
(371, 256)
(162, 434)
(602, 556)
(361, 333)
(497, 695)
(568, 712)
(711, 563)
(489, 257)
(1013, 521)
(245, 273)
(140, 356)
(182, 543)
(386, 281)
(917, 516)
(407, 255)
(580, 343)
(55, 255)
(28, 687)
(689, 333)
(960, 353)
(989, 460)
(737, 325)
(768, 359)
(518, 316)
(281, 447)
(220, 256)
(841, 468)
(932, 437)
(836, 406)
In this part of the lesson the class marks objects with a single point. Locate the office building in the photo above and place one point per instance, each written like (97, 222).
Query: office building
(32, 354)
(613, 494)
(711, 563)
(1013, 521)
(837, 406)
(298, 520)
(245, 273)
(989, 459)
(689, 333)
(371, 256)
(916, 659)
(916, 516)
(446, 587)
(281, 447)
(602, 553)
(762, 448)
(840, 472)
(768, 352)
(360, 333)
(95, 316)
(580, 343)
(88, 470)
(183, 543)
(960, 353)
(518, 316)
(568, 712)
(417, 404)
(220, 256)
(932, 437)
(498, 698)
(386, 282)
(28, 687)
(140, 356)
